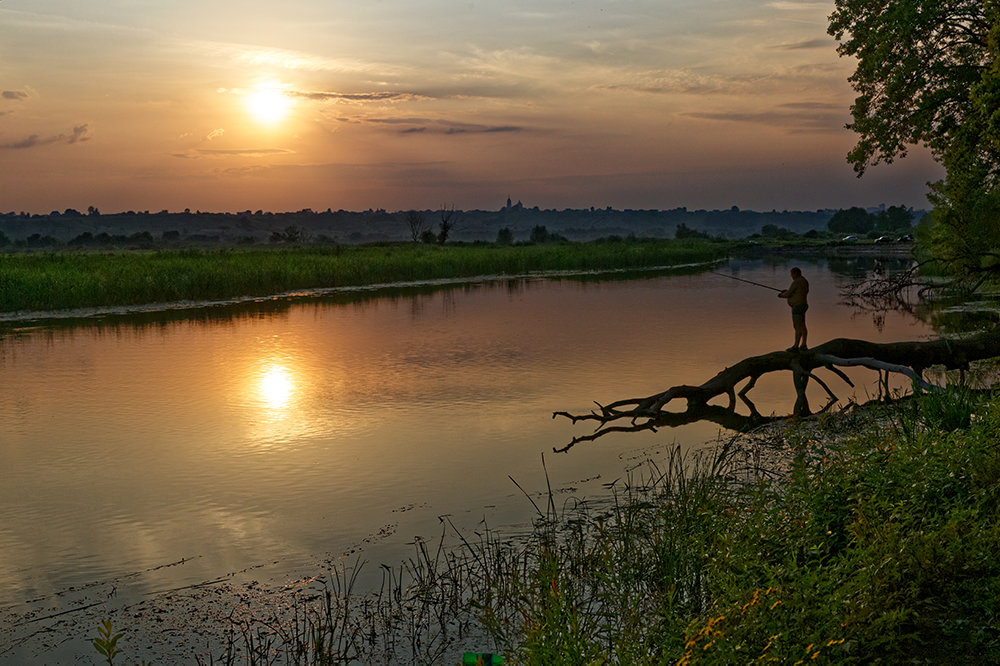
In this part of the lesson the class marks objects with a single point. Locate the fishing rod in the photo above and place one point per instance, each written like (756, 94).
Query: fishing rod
(733, 277)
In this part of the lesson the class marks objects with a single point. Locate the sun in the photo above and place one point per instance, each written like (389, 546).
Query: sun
(268, 104)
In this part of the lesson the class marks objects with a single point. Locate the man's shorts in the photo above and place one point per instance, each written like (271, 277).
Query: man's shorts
(799, 311)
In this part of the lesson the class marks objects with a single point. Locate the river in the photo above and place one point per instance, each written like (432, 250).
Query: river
(145, 453)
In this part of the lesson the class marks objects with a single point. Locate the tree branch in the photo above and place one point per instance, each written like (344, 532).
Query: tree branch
(906, 358)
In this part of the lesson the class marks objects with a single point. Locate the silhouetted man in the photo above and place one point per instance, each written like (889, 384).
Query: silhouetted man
(796, 296)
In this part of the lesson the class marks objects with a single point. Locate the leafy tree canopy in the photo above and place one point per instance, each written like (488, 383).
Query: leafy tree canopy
(853, 220)
(894, 218)
(926, 70)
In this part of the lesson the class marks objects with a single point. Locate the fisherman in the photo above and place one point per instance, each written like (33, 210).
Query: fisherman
(796, 296)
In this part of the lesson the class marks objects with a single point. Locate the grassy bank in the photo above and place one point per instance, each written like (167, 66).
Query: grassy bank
(878, 545)
(865, 538)
(54, 281)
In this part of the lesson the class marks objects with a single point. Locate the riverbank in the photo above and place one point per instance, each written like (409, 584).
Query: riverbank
(33, 283)
(876, 544)
(861, 537)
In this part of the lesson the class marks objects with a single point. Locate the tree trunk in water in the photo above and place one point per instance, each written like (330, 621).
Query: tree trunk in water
(908, 358)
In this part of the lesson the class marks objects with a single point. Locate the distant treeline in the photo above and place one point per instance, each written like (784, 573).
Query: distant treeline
(510, 224)
(860, 221)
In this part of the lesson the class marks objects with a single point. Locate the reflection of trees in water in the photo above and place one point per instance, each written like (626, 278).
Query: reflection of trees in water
(885, 289)
(963, 317)
(854, 268)
(881, 285)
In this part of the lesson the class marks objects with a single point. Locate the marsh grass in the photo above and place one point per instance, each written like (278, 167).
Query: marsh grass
(863, 538)
(621, 575)
(424, 611)
(878, 548)
(53, 281)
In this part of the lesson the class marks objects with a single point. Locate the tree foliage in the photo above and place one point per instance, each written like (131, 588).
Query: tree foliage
(683, 231)
(854, 220)
(857, 220)
(920, 67)
(416, 223)
(894, 218)
(928, 72)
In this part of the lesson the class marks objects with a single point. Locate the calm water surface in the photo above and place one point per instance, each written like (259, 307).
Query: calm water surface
(278, 437)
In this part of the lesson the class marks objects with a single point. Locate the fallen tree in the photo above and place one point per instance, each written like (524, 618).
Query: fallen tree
(910, 359)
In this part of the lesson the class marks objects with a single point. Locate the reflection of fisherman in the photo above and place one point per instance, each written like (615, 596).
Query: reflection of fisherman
(796, 295)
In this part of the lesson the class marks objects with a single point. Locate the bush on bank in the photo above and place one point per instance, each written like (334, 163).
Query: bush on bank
(876, 547)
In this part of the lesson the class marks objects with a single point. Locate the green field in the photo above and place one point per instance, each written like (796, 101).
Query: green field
(54, 281)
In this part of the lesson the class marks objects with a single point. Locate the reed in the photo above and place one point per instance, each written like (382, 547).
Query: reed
(876, 545)
(863, 538)
(53, 281)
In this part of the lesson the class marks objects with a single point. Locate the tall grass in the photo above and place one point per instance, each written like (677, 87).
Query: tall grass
(868, 538)
(875, 547)
(73, 280)
(881, 548)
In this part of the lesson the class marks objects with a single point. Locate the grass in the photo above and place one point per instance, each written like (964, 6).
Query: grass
(880, 546)
(878, 549)
(53, 281)
(863, 538)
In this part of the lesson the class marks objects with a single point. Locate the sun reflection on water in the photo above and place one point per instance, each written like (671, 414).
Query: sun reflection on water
(276, 387)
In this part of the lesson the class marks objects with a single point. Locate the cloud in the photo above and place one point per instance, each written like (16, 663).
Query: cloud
(215, 134)
(482, 129)
(808, 44)
(443, 127)
(16, 95)
(393, 174)
(377, 96)
(228, 152)
(46, 24)
(280, 59)
(798, 6)
(78, 134)
(814, 106)
(796, 116)
(687, 82)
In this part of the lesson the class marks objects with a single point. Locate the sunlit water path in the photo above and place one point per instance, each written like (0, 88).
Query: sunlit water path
(145, 454)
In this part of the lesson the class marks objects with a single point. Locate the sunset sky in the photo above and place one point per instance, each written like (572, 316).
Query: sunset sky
(396, 104)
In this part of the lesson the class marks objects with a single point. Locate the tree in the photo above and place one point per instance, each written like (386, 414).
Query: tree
(773, 231)
(86, 238)
(894, 218)
(853, 220)
(291, 234)
(684, 231)
(539, 234)
(416, 223)
(447, 224)
(928, 72)
(920, 67)
(907, 358)
(505, 236)
(963, 232)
